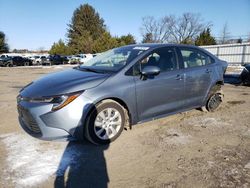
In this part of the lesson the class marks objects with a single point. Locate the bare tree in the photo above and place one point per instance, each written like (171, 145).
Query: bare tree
(41, 49)
(181, 29)
(225, 34)
(158, 29)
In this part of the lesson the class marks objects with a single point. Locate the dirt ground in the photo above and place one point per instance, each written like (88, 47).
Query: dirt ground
(191, 149)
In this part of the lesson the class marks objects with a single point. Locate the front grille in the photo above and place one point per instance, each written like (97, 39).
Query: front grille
(29, 121)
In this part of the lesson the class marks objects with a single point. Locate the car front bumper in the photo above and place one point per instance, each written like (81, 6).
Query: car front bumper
(39, 121)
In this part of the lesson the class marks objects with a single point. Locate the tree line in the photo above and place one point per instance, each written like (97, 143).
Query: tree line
(87, 32)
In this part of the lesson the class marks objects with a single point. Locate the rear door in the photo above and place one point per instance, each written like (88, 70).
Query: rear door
(197, 75)
(163, 93)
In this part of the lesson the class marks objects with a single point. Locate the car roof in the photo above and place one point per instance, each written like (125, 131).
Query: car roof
(156, 45)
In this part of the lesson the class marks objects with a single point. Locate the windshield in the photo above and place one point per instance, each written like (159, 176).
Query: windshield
(115, 59)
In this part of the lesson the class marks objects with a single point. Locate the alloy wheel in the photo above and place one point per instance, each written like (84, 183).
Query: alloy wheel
(107, 124)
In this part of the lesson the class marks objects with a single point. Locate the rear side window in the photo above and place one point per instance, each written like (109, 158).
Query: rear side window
(194, 58)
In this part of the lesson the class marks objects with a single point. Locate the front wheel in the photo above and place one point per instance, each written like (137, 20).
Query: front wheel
(105, 122)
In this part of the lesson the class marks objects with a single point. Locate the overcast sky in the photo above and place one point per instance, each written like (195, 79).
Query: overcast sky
(31, 24)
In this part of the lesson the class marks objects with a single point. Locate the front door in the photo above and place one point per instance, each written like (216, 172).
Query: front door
(162, 93)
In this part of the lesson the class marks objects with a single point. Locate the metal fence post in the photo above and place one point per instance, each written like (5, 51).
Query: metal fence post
(218, 51)
(243, 54)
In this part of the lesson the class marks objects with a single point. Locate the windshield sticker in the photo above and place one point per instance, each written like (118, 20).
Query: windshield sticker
(140, 48)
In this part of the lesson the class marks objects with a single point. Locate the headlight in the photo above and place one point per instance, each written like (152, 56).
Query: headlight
(57, 101)
(61, 101)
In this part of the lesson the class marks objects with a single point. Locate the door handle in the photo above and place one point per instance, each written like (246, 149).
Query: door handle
(208, 71)
(179, 77)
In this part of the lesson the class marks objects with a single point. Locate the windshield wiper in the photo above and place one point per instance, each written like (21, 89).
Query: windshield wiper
(88, 69)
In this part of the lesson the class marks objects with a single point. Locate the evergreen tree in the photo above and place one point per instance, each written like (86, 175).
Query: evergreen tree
(59, 48)
(239, 40)
(188, 40)
(3, 45)
(205, 38)
(105, 42)
(86, 26)
(127, 39)
(87, 33)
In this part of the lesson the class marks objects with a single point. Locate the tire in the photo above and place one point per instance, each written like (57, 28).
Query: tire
(214, 100)
(105, 122)
(9, 65)
(26, 63)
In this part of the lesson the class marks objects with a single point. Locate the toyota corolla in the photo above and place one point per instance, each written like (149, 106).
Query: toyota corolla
(120, 88)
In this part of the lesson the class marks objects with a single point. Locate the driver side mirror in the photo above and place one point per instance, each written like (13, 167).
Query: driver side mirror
(150, 71)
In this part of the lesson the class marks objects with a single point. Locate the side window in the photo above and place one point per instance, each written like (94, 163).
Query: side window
(194, 58)
(164, 58)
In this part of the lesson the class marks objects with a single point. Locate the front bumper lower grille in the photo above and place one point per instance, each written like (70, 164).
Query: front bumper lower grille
(28, 120)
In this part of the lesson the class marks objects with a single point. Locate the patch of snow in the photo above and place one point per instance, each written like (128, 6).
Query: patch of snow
(31, 161)
(247, 165)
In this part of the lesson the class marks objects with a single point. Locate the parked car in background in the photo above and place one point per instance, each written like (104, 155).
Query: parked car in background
(38, 60)
(84, 57)
(94, 55)
(73, 59)
(245, 74)
(32, 58)
(120, 88)
(55, 60)
(21, 61)
(6, 61)
(80, 58)
(3, 56)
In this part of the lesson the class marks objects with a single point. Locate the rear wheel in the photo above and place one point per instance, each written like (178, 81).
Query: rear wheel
(214, 100)
(105, 122)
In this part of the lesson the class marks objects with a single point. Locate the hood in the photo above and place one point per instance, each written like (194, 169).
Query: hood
(63, 82)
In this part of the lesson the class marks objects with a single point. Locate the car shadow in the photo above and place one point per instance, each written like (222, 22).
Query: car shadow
(82, 165)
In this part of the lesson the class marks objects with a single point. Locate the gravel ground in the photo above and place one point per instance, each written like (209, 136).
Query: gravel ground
(191, 149)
